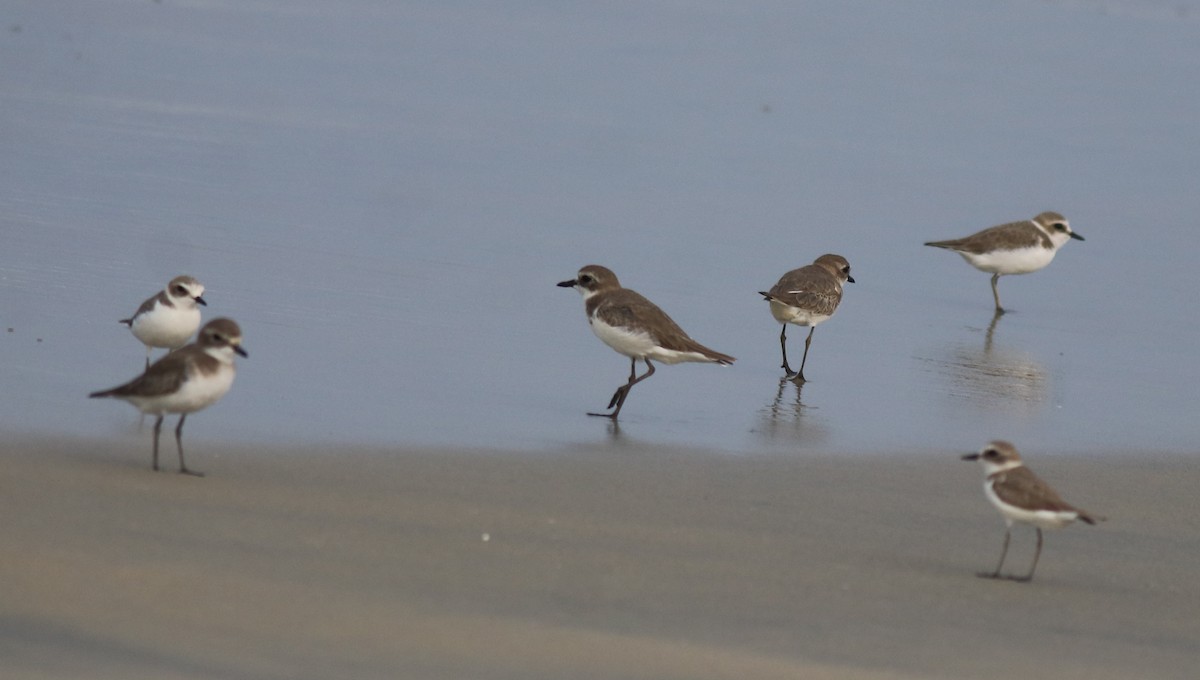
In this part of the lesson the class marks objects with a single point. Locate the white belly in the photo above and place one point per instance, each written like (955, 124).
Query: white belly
(794, 315)
(639, 345)
(1045, 519)
(196, 393)
(1019, 261)
(166, 327)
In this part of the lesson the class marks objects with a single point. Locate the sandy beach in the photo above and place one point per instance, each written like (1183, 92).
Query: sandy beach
(628, 563)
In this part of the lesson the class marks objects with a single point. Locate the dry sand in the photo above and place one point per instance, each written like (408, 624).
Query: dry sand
(633, 562)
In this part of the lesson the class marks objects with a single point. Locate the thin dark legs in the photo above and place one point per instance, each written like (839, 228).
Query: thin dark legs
(1036, 555)
(798, 377)
(783, 346)
(1004, 552)
(996, 294)
(157, 429)
(183, 468)
(618, 398)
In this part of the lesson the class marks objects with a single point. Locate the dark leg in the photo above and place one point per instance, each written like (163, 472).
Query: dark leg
(157, 429)
(783, 346)
(807, 341)
(1037, 553)
(996, 294)
(1003, 553)
(183, 469)
(622, 389)
(618, 398)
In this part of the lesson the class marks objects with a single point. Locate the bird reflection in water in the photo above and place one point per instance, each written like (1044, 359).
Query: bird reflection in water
(789, 417)
(992, 374)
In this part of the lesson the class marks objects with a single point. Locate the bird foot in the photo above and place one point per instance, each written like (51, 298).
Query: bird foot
(1005, 577)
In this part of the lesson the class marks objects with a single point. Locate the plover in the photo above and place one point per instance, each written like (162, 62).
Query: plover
(635, 327)
(185, 381)
(806, 297)
(169, 318)
(1013, 248)
(1022, 496)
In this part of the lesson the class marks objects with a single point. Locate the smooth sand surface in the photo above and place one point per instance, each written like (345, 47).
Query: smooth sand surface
(614, 563)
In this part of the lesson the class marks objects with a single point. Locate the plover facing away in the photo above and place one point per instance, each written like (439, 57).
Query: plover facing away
(806, 297)
(634, 327)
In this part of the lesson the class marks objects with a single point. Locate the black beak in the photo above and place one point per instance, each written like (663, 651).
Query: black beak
(849, 279)
(239, 350)
(1075, 236)
(971, 456)
(200, 301)
(567, 284)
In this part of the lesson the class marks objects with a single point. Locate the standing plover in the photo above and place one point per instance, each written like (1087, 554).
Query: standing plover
(185, 381)
(635, 327)
(1022, 496)
(806, 297)
(1013, 248)
(169, 318)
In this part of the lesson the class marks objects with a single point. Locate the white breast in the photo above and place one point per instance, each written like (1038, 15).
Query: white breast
(169, 327)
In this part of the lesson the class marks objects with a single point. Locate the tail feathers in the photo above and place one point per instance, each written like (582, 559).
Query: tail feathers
(101, 393)
(765, 294)
(952, 244)
(1089, 518)
(713, 355)
(687, 345)
(127, 322)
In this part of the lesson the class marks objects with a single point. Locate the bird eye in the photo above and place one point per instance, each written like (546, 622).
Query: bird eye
(585, 279)
(1060, 226)
(990, 453)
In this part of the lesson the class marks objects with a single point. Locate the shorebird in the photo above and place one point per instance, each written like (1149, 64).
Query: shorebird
(185, 381)
(1013, 248)
(169, 318)
(635, 327)
(1022, 496)
(806, 297)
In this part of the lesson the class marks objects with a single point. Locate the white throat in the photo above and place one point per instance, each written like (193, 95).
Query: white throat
(223, 354)
(990, 468)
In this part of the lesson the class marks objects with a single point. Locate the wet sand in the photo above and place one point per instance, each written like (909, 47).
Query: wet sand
(630, 563)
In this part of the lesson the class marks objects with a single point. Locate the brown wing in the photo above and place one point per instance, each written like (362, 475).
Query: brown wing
(163, 377)
(147, 306)
(1009, 236)
(811, 287)
(625, 307)
(1022, 488)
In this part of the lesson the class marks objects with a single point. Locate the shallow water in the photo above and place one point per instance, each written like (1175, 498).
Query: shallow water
(383, 195)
